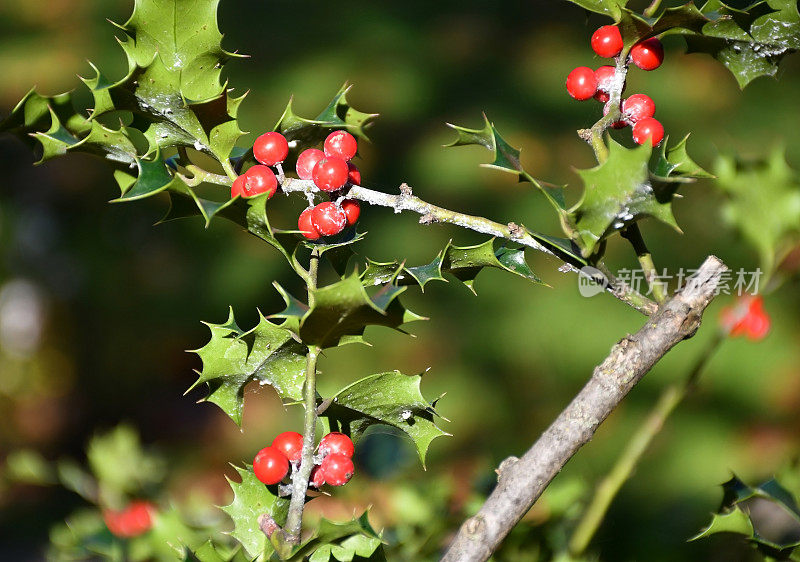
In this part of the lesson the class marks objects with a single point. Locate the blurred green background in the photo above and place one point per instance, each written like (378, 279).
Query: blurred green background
(97, 305)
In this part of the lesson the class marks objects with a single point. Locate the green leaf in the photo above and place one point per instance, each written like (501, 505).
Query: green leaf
(610, 8)
(251, 498)
(28, 467)
(341, 541)
(762, 204)
(268, 354)
(734, 521)
(463, 262)
(675, 164)
(341, 312)
(121, 466)
(750, 43)
(616, 194)
(338, 115)
(387, 398)
(152, 177)
(33, 114)
(506, 158)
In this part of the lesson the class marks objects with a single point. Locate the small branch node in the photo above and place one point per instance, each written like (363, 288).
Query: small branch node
(427, 218)
(516, 230)
(405, 190)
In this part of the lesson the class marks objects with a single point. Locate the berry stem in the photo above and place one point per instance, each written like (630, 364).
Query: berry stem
(294, 520)
(607, 489)
(634, 236)
(652, 8)
(594, 135)
(199, 175)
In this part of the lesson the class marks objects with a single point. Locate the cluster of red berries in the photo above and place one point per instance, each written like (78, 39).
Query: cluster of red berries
(131, 521)
(333, 461)
(637, 110)
(746, 318)
(330, 170)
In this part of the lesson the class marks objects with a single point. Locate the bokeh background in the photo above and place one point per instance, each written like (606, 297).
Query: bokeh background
(97, 304)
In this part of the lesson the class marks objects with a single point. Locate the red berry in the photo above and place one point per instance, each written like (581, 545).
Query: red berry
(271, 148)
(260, 179)
(638, 107)
(607, 41)
(338, 443)
(306, 162)
(132, 521)
(270, 465)
(353, 175)
(328, 218)
(238, 187)
(338, 469)
(746, 318)
(317, 477)
(340, 144)
(305, 227)
(648, 129)
(581, 83)
(605, 78)
(330, 174)
(290, 443)
(352, 209)
(648, 54)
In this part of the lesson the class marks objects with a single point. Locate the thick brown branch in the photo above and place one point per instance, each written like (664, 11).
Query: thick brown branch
(524, 481)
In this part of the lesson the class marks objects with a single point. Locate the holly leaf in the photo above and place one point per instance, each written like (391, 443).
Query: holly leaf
(610, 8)
(34, 114)
(268, 353)
(462, 262)
(341, 312)
(251, 498)
(762, 204)
(173, 85)
(342, 541)
(752, 42)
(387, 398)
(675, 164)
(338, 115)
(616, 194)
(506, 158)
(734, 521)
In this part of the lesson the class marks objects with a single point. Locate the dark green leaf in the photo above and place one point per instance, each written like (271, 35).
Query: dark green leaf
(387, 398)
(341, 312)
(341, 541)
(610, 8)
(268, 354)
(617, 193)
(506, 158)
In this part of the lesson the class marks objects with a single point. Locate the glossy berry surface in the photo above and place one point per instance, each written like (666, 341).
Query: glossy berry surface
(353, 174)
(747, 318)
(337, 469)
(305, 227)
(271, 148)
(260, 179)
(607, 41)
(648, 129)
(352, 210)
(581, 83)
(336, 442)
(340, 144)
(330, 174)
(317, 479)
(270, 465)
(605, 78)
(238, 187)
(648, 54)
(328, 218)
(132, 521)
(306, 162)
(638, 107)
(290, 443)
